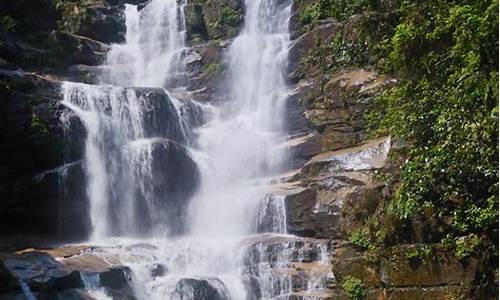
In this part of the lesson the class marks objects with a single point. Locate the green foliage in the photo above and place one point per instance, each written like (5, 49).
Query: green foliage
(361, 240)
(354, 288)
(446, 106)
(417, 254)
(212, 68)
(38, 128)
(7, 24)
(463, 247)
(229, 16)
(338, 9)
(467, 246)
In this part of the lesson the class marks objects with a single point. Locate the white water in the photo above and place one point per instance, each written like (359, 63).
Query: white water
(155, 42)
(235, 150)
(240, 141)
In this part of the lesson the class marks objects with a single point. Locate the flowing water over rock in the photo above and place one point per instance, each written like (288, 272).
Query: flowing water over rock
(182, 184)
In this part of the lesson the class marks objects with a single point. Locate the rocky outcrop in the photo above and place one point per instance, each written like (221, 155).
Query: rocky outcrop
(213, 20)
(415, 271)
(50, 275)
(336, 191)
(175, 178)
(203, 289)
(37, 154)
(95, 19)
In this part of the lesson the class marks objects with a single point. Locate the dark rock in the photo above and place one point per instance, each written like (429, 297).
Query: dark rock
(40, 14)
(299, 203)
(252, 287)
(33, 268)
(302, 148)
(94, 19)
(84, 50)
(175, 179)
(86, 74)
(35, 150)
(201, 289)
(221, 19)
(158, 270)
(117, 279)
(195, 24)
(160, 115)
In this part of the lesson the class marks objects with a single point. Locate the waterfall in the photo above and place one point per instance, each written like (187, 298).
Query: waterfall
(192, 179)
(123, 124)
(155, 42)
(241, 140)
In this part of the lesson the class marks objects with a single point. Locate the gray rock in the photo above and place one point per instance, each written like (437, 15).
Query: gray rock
(201, 289)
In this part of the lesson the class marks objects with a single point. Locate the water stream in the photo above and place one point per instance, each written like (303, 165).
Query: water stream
(145, 156)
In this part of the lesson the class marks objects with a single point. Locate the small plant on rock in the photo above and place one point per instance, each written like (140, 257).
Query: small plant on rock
(354, 288)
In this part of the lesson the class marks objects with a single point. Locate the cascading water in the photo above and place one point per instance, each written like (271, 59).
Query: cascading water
(230, 241)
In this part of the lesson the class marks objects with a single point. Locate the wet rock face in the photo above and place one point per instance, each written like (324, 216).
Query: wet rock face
(84, 50)
(395, 274)
(336, 191)
(175, 179)
(36, 156)
(212, 20)
(46, 278)
(160, 117)
(95, 19)
(202, 289)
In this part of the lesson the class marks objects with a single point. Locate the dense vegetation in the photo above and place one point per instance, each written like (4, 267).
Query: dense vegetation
(445, 109)
(446, 106)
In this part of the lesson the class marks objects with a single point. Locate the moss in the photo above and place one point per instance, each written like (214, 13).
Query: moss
(212, 68)
(229, 16)
(418, 254)
(7, 24)
(361, 240)
(354, 288)
(38, 128)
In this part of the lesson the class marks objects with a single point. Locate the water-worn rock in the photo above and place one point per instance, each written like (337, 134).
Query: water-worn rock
(35, 150)
(337, 191)
(94, 19)
(175, 179)
(302, 147)
(214, 19)
(84, 50)
(201, 289)
(53, 274)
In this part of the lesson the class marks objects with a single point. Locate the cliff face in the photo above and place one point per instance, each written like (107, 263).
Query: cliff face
(336, 190)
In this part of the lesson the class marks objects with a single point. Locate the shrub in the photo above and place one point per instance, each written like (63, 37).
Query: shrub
(354, 288)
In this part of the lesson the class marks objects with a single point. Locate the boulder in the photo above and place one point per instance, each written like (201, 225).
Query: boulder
(305, 46)
(84, 50)
(95, 19)
(201, 289)
(302, 147)
(343, 190)
(40, 14)
(222, 19)
(160, 116)
(53, 274)
(175, 179)
(36, 270)
(37, 154)
(117, 279)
